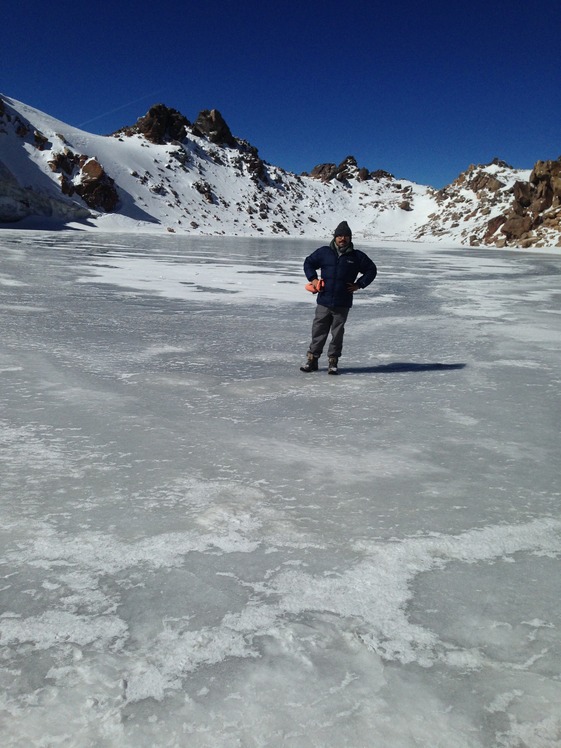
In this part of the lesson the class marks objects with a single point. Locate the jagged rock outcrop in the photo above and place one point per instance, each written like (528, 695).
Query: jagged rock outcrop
(204, 189)
(212, 125)
(323, 172)
(256, 167)
(534, 216)
(163, 125)
(159, 125)
(548, 175)
(381, 174)
(86, 177)
(477, 179)
(96, 188)
(348, 169)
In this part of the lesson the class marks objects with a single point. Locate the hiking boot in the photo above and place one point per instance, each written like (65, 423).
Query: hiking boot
(311, 363)
(332, 365)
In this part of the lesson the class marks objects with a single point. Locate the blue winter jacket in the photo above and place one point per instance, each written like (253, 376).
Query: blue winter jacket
(337, 270)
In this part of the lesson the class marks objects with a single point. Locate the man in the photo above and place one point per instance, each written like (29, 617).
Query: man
(344, 270)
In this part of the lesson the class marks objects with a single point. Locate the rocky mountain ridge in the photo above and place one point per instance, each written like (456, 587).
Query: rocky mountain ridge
(168, 173)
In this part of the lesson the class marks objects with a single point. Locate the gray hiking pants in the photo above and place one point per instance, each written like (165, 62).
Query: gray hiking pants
(326, 319)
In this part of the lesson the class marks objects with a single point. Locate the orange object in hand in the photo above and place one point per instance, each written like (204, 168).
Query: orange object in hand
(318, 287)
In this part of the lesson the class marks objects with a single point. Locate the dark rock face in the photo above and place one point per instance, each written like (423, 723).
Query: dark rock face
(40, 141)
(536, 204)
(546, 181)
(97, 189)
(86, 177)
(348, 169)
(324, 172)
(255, 167)
(211, 124)
(160, 125)
(381, 174)
(493, 225)
(363, 174)
(204, 189)
(516, 226)
(522, 192)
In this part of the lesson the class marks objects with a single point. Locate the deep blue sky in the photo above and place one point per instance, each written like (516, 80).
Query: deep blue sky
(421, 89)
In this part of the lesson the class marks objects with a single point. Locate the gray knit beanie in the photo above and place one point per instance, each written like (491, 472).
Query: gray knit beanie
(343, 230)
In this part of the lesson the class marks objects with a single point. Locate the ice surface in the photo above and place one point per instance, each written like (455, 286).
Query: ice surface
(203, 546)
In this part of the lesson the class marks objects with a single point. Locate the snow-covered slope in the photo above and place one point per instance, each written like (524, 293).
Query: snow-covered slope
(465, 207)
(206, 181)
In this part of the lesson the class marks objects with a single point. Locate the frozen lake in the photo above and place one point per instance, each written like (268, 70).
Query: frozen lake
(203, 546)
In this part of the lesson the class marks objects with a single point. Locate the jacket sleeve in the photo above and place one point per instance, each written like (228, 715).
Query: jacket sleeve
(368, 270)
(312, 263)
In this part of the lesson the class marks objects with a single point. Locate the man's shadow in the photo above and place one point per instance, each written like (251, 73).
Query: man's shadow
(400, 367)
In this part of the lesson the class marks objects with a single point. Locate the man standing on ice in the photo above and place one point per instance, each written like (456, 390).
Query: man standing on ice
(344, 270)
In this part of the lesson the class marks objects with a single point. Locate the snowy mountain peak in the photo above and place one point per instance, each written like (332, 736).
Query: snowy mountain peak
(491, 177)
(159, 125)
(166, 173)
